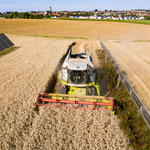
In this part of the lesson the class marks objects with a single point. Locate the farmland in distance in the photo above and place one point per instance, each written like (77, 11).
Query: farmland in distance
(68, 28)
(26, 71)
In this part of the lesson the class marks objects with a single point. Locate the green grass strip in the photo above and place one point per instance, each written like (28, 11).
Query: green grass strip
(146, 22)
(8, 50)
(141, 40)
(57, 37)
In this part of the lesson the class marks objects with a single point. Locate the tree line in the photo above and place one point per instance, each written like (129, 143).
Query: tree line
(24, 15)
(27, 15)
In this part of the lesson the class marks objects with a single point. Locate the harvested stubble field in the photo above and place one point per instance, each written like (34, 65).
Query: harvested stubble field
(134, 59)
(68, 28)
(26, 72)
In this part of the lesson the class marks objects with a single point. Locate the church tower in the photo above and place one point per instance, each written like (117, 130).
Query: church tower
(50, 9)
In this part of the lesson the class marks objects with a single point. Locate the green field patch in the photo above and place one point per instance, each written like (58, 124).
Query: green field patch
(8, 50)
(57, 37)
(141, 41)
(147, 22)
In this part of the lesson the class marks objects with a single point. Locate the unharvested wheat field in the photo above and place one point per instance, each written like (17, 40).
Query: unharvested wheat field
(68, 28)
(26, 72)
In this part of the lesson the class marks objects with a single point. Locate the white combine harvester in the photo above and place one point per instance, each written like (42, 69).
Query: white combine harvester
(79, 87)
(79, 75)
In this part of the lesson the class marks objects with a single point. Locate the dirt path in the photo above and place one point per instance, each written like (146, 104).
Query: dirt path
(134, 59)
(82, 45)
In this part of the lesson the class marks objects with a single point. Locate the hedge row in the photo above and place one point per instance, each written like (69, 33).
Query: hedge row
(131, 121)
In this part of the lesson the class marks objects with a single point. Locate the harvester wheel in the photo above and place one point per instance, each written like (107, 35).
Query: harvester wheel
(62, 89)
(91, 90)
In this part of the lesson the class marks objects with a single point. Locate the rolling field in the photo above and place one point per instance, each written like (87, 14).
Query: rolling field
(27, 71)
(68, 28)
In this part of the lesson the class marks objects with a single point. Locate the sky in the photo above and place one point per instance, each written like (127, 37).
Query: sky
(72, 5)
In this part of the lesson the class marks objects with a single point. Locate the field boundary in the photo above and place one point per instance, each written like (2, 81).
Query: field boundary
(57, 37)
(137, 101)
(146, 22)
(78, 38)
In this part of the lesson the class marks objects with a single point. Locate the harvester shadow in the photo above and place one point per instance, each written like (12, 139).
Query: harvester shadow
(103, 84)
(119, 106)
(51, 83)
(54, 78)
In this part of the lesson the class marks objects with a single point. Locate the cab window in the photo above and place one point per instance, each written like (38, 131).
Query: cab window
(77, 77)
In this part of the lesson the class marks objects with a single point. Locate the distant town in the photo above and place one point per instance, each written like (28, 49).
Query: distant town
(138, 14)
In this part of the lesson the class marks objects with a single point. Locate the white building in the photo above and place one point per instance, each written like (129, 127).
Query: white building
(83, 17)
(126, 18)
(121, 18)
(93, 17)
(99, 17)
(109, 17)
(115, 18)
(54, 17)
(71, 17)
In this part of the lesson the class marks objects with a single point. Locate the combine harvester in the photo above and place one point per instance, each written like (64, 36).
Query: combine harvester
(79, 87)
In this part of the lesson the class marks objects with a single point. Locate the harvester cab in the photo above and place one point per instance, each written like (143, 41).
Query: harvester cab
(79, 87)
(78, 75)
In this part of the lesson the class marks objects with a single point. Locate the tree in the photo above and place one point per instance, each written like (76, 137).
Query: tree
(47, 16)
(31, 16)
(147, 17)
(23, 15)
(69, 14)
(96, 10)
(92, 14)
(51, 15)
(1, 15)
(26, 15)
(111, 14)
(62, 14)
(122, 15)
(5, 16)
(16, 13)
(36, 16)
(40, 16)
(11, 15)
(99, 14)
